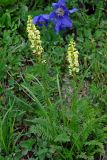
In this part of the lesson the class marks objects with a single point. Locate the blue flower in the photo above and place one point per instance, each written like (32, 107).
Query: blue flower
(41, 20)
(60, 15)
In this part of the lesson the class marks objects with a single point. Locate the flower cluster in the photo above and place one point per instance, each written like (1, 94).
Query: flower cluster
(59, 17)
(72, 57)
(34, 37)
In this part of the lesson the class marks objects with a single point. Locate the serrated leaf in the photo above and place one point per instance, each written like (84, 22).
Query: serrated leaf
(62, 138)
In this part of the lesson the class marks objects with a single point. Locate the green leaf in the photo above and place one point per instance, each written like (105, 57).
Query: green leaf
(6, 19)
(7, 2)
(62, 138)
(1, 158)
(27, 144)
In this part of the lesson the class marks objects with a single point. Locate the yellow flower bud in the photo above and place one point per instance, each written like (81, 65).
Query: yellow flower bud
(34, 37)
(72, 57)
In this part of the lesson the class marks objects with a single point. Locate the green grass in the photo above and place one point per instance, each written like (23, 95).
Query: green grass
(44, 112)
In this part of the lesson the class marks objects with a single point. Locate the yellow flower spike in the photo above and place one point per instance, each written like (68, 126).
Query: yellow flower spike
(72, 57)
(34, 37)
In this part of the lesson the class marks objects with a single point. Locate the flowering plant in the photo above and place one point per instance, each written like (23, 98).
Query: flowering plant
(59, 17)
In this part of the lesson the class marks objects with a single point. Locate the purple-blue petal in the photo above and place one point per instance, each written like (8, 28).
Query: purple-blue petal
(58, 26)
(62, 2)
(45, 16)
(35, 19)
(41, 20)
(55, 5)
(73, 10)
(59, 4)
(52, 16)
(62, 23)
(66, 21)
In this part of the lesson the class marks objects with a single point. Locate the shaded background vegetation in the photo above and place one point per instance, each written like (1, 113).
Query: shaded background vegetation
(44, 113)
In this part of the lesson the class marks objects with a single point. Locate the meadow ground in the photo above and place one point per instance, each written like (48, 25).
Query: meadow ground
(48, 111)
